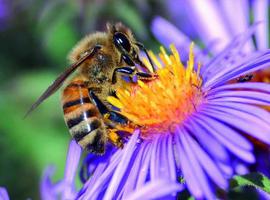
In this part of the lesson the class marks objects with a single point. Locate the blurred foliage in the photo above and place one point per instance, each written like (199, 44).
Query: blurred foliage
(256, 180)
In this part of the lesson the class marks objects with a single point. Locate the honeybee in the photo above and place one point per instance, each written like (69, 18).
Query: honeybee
(99, 60)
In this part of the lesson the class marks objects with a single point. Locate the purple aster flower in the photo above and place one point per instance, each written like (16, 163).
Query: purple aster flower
(193, 124)
(110, 177)
(3, 194)
(66, 187)
(214, 23)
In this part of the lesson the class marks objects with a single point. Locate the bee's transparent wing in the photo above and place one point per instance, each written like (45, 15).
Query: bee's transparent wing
(60, 79)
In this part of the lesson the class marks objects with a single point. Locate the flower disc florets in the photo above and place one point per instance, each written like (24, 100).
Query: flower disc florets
(156, 106)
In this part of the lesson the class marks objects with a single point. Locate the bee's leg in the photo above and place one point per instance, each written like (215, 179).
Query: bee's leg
(110, 119)
(124, 70)
(146, 76)
(115, 138)
(131, 72)
(126, 57)
(141, 46)
(116, 117)
(98, 103)
(106, 112)
(129, 60)
(117, 123)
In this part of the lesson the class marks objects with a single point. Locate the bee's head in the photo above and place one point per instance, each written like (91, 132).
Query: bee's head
(124, 41)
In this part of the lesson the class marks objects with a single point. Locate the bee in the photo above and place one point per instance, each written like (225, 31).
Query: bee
(99, 60)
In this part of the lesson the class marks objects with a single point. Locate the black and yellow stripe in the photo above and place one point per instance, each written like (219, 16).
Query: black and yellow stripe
(83, 118)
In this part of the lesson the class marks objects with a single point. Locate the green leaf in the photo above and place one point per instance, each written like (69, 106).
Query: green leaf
(184, 195)
(257, 180)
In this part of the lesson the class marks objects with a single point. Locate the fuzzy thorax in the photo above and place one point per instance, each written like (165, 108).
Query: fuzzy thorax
(159, 105)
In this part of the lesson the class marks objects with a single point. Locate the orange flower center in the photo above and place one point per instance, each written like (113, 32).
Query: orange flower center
(159, 105)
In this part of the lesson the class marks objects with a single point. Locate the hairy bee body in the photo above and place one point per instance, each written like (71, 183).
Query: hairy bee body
(84, 120)
(96, 62)
(99, 70)
(82, 117)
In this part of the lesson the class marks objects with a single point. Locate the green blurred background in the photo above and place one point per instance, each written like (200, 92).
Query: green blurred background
(35, 38)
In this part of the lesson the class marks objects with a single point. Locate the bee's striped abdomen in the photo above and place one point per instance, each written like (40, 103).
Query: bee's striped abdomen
(83, 118)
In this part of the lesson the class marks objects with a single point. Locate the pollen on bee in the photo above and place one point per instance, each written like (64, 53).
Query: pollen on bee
(157, 105)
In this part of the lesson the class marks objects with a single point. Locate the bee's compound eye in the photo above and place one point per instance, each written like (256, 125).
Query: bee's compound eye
(120, 39)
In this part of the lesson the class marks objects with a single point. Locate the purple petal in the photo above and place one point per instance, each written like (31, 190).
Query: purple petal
(241, 96)
(265, 87)
(241, 168)
(73, 159)
(168, 34)
(94, 189)
(261, 14)
(215, 128)
(230, 134)
(231, 54)
(131, 180)
(163, 167)
(155, 190)
(190, 178)
(3, 194)
(259, 115)
(92, 161)
(263, 195)
(178, 15)
(255, 63)
(144, 170)
(224, 100)
(237, 21)
(155, 155)
(171, 160)
(97, 174)
(203, 13)
(209, 143)
(207, 163)
(240, 122)
(48, 190)
(64, 188)
(226, 169)
(213, 147)
(196, 167)
(122, 166)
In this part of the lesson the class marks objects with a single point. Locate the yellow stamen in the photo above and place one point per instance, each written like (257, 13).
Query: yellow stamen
(155, 60)
(156, 106)
(115, 102)
(147, 64)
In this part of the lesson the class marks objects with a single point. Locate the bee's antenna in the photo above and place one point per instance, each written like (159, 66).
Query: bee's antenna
(113, 28)
(141, 46)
